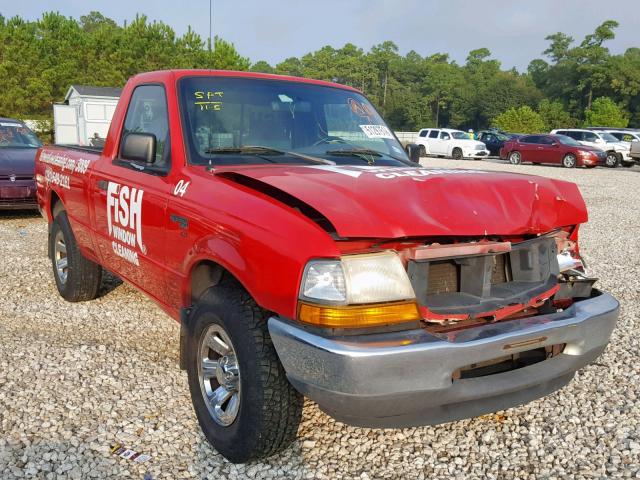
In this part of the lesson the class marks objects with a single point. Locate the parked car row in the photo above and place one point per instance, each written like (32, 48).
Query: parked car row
(587, 147)
(570, 147)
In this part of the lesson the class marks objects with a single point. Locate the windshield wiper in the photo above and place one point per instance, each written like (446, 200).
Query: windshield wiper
(264, 151)
(352, 152)
(362, 153)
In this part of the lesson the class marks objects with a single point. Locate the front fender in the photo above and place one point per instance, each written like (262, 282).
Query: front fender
(268, 262)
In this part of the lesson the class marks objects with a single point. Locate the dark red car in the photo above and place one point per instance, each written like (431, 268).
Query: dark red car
(18, 147)
(554, 149)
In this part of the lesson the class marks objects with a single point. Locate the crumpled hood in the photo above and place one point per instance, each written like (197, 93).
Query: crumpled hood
(394, 202)
(17, 161)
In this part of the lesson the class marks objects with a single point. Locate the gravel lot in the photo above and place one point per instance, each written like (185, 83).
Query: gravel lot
(77, 378)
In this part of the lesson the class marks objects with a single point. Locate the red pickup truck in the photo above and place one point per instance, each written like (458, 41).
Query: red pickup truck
(280, 221)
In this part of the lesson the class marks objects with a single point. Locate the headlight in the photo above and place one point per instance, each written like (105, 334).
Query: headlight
(357, 279)
(357, 291)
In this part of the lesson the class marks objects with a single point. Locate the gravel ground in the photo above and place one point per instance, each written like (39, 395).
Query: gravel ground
(77, 378)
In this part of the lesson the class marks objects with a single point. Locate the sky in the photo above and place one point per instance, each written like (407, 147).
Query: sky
(272, 30)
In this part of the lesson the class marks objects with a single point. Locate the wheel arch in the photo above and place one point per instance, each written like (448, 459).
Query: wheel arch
(55, 205)
(203, 274)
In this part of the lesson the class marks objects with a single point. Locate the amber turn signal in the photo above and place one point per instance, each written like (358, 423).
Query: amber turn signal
(358, 316)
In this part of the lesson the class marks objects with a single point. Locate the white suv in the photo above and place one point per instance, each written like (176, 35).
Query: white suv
(628, 136)
(450, 143)
(618, 153)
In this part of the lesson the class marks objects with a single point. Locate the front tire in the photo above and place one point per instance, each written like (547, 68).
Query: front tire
(612, 160)
(457, 153)
(77, 278)
(233, 369)
(515, 158)
(569, 160)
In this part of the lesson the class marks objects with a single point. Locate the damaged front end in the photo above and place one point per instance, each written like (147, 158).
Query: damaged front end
(408, 333)
(460, 285)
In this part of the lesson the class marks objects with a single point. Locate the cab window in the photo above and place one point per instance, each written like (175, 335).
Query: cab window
(147, 113)
(434, 133)
(590, 137)
(574, 135)
(444, 136)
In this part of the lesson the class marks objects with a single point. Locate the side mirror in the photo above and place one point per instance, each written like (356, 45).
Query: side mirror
(555, 144)
(139, 147)
(413, 152)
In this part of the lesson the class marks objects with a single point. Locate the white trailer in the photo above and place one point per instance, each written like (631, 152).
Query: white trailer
(85, 115)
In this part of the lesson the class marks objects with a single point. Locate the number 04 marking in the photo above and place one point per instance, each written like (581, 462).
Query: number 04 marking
(181, 188)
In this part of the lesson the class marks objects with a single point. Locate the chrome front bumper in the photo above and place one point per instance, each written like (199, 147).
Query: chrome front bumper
(403, 379)
(475, 153)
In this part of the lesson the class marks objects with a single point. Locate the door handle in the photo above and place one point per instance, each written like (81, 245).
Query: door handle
(181, 221)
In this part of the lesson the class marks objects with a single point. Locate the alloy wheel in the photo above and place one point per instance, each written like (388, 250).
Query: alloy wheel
(219, 375)
(60, 257)
(569, 161)
(612, 159)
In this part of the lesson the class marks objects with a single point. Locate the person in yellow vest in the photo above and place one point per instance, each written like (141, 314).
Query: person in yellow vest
(472, 135)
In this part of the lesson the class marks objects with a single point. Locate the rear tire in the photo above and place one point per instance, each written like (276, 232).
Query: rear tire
(612, 160)
(77, 278)
(457, 153)
(515, 158)
(569, 160)
(268, 409)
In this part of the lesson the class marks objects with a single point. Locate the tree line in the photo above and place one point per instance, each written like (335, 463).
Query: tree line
(576, 83)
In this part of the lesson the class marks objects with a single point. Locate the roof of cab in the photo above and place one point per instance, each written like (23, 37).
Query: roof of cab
(177, 74)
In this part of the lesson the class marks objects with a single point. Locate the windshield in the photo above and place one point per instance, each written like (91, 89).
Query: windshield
(460, 136)
(568, 141)
(607, 137)
(16, 135)
(226, 118)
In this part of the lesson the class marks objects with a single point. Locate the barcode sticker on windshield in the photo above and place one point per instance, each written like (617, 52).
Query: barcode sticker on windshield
(376, 131)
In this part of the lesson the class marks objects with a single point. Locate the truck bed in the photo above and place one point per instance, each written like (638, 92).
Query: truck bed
(81, 148)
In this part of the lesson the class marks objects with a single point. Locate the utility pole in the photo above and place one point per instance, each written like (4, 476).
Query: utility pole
(210, 16)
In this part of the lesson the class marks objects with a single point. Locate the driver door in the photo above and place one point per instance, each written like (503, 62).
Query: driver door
(130, 200)
(443, 143)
